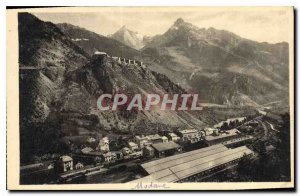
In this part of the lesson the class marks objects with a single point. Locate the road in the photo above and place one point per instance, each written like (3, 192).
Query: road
(272, 127)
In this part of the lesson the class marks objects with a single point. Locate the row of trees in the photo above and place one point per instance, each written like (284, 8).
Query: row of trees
(232, 124)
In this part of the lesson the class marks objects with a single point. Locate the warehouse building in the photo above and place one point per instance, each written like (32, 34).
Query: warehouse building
(193, 165)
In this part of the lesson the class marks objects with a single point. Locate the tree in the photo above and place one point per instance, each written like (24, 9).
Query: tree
(270, 166)
(231, 124)
(245, 168)
(224, 126)
(283, 147)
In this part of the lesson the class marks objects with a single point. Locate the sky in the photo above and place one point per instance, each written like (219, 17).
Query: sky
(259, 24)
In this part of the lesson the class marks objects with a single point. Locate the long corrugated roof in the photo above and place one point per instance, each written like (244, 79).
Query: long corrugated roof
(179, 167)
(179, 160)
(210, 164)
(166, 159)
(212, 157)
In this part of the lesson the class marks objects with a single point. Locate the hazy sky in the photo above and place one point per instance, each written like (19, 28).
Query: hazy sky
(259, 24)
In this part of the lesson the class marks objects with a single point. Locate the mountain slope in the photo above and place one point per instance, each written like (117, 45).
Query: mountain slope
(46, 55)
(92, 42)
(236, 89)
(105, 75)
(186, 54)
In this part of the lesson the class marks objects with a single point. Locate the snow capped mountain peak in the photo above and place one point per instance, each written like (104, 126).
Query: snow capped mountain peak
(123, 28)
(128, 37)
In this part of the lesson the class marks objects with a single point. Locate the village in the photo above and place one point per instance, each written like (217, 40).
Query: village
(133, 152)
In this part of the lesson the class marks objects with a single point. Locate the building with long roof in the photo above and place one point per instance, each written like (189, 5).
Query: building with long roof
(193, 165)
(222, 137)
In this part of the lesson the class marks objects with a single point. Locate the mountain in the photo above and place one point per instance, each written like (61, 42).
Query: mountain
(240, 70)
(59, 87)
(92, 42)
(129, 38)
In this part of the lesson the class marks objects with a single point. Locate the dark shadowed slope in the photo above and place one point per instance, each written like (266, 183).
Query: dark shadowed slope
(46, 55)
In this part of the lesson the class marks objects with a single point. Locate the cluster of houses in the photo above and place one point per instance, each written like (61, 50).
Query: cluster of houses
(149, 146)
(141, 146)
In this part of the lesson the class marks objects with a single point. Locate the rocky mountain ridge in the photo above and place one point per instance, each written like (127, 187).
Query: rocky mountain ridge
(205, 59)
